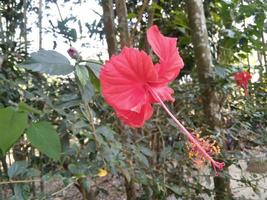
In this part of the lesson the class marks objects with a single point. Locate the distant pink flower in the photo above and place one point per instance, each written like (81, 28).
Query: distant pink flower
(242, 78)
(131, 83)
(73, 53)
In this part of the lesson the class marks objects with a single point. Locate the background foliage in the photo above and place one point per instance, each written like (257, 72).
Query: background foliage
(55, 124)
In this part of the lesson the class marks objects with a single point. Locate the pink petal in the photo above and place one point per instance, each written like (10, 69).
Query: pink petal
(135, 119)
(123, 79)
(165, 47)
(163, 91)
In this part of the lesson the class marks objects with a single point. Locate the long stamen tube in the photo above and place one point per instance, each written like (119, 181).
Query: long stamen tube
(215, 164)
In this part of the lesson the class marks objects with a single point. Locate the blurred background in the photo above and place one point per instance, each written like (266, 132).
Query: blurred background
(60, 140)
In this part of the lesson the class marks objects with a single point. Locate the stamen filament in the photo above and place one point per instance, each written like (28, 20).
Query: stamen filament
(191, 138)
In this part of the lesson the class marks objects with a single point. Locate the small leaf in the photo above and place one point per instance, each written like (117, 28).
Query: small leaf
(82, 74)
(146, 151)
(86, 183)
(165, 152)
(22, 192)
(142, 159)
(73, 168)
(126, 174)
(88, 91)
(49, 62)
(12, 125)
(25, 107)
(31, 172)
(94, 70)
(107, 133)
(177, 190)
(18, 168)
(95, 67)
(95, 81)
(44, 137)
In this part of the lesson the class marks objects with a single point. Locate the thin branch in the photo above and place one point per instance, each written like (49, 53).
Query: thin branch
(61, 18)
(60, 15)
(24, 29)
(140, 15)
(40, 18)
(264, 52)
(2, 32)
(19, 181)
(61, 190)
(90, 118)
(96, 12)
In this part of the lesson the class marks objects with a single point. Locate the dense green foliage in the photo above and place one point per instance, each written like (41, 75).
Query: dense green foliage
(57, 125)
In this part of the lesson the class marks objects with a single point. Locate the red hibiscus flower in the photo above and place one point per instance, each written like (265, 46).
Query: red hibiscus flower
(129, 78)
(242, 78)
(131, 83)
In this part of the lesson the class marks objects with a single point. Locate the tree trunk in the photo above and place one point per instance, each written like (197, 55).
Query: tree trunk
(123, 23)
(204, 62)
(109, 28)
(210, 97)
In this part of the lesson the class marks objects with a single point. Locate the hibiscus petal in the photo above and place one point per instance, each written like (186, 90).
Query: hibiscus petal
(163, 91)
(165, 47)
(123, 79)
(136, 119)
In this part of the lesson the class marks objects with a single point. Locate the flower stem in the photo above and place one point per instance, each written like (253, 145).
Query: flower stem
(191, 138)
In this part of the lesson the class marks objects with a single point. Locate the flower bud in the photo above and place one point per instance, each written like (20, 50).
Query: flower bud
(73, 53)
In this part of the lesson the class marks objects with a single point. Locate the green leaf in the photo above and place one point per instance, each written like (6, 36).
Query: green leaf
(165, 152)
(18, 168)
(126, 173)
(95, 81)
(107, 133)
(25, 107)
(95, 67)
(22, 192)
(177, 190)
(146, 151)
(73, 34)
(82, 74)
(94, 70)
(31, 172)
(49, 62)
(44, 137)
(88, 91)
(12, 125)
(142, 159)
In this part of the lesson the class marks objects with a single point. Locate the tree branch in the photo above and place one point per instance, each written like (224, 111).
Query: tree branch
(109, 28)
(140, 15)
